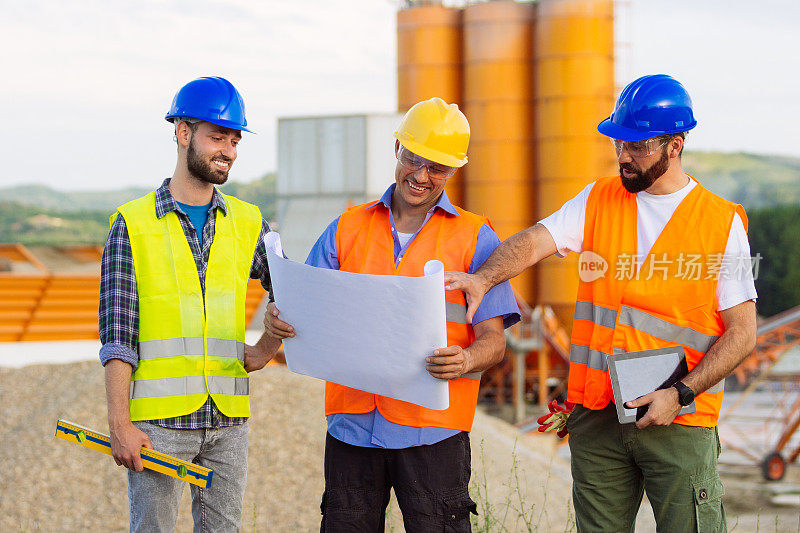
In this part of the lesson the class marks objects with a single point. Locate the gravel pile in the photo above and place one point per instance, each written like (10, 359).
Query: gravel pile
(47, 484)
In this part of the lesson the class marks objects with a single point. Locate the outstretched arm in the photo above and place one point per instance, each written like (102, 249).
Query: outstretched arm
(518, 252)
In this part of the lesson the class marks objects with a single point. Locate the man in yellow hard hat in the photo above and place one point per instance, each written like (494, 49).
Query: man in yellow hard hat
(375, 443)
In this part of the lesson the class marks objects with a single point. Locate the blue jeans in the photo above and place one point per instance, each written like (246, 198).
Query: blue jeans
(154, 497)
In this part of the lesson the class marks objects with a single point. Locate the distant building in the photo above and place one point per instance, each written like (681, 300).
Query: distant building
(325, 165)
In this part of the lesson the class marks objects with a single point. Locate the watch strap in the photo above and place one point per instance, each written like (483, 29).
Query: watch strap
(685, 394)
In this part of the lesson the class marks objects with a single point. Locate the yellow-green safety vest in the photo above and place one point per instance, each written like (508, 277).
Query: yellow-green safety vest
(190, 347)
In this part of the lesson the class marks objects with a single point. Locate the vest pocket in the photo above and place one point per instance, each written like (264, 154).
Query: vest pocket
(709, 512)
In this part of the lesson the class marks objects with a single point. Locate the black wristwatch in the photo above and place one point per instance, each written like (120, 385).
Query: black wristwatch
(685, 394)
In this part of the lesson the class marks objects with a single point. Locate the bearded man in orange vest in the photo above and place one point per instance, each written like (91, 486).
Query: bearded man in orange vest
(675, 279)
(375, 443)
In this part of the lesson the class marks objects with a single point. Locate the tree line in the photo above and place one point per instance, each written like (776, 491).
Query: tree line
(775, 235)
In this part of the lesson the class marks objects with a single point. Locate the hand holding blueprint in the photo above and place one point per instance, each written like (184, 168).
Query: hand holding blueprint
(367, 332)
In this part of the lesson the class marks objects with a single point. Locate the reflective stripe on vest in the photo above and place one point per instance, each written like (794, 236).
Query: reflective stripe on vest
(186, 385)
(601, 316)
(190, 346)
(458, 313)
(659, 328)
(637, 319)
(583, 355)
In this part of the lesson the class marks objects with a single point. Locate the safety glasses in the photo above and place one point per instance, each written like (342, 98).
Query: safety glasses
(413, 162)
(641, 148)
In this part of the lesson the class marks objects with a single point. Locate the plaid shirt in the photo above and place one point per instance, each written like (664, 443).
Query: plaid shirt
(119, 299)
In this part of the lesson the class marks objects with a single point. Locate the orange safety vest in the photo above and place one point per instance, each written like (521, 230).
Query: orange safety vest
(671, 302)
(364, 244)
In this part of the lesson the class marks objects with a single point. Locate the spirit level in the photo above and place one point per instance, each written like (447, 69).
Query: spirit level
(151, 459)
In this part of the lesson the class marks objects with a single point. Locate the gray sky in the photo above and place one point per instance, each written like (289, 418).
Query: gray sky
(87, 82)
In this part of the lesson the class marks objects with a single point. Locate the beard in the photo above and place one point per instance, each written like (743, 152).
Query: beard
(643, 179)
(204, 170)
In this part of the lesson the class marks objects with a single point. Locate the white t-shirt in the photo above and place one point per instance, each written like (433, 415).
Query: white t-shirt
(404, 238)
(653, 213)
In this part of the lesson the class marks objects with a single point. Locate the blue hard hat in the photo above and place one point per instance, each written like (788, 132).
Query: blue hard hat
(648, 107)
(211, 98)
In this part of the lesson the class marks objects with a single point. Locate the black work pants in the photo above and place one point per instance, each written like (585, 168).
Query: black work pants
(431, 484)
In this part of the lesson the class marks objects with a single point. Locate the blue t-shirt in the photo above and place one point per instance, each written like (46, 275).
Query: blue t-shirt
(198, 214)
(372, 429)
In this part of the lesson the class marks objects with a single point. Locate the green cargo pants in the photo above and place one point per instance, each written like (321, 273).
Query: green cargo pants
(613, 464)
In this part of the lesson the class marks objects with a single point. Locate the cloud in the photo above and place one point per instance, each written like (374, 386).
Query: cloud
(93, 79)
(89, 81)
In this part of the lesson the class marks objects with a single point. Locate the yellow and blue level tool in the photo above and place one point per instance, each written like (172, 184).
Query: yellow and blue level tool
(151, 459)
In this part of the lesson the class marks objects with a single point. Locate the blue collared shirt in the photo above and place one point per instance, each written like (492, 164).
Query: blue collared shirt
(372, 429)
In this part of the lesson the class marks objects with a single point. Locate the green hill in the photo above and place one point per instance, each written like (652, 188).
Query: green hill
(259, 191)
(36, 214)
(45, 197)
(753, 180)
(34, 225)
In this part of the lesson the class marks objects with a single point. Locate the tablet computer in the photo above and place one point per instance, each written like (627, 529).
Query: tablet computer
(634, 374)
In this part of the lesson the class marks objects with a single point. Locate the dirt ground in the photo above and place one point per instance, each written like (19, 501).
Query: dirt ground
(750, 503)
(520, 482)
(47, 484)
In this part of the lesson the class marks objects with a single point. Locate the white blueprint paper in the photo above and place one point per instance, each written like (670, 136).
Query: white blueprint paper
(363, 331)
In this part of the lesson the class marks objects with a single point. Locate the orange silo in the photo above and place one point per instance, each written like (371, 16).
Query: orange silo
(574, 62)
(429, 64)
(498, 102)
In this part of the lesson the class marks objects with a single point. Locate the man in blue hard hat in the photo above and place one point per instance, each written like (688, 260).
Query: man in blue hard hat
(671, 280)
(174, 278)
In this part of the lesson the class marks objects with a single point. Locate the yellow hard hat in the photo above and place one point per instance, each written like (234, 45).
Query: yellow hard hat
(436, 130)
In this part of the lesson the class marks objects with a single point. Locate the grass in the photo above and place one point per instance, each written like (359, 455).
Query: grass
(514, 507)
(513, 513)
